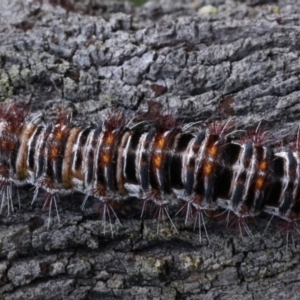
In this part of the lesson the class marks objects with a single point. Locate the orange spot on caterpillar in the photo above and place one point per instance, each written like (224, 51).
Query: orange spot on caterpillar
(105, 158)
(54, 152)
(263, 165)
(109, 139)
(157, 159)
(208, 168)
(213, 151)
(160, 143)
(259, 183)
(58, 135)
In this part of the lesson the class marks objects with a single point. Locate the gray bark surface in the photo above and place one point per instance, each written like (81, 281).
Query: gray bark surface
(237, 59)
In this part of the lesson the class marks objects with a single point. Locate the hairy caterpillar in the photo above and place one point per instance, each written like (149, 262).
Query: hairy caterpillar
(204, 168)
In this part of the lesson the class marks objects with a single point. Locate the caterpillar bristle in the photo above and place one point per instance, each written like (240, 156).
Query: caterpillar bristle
(199, 216)
(13, 116)
(6, 197)
(51, 200)
(239, 225)
(289, 228)
(220, 128)
(167, 122)
(107, 213)
(258, 135)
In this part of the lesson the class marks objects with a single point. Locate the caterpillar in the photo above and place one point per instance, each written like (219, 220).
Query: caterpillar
(206, 169)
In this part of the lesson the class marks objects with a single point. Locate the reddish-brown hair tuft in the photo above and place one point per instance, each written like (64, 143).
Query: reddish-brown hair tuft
(14, 115)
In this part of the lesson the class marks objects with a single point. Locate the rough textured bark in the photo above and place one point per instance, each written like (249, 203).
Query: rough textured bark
(238, 59)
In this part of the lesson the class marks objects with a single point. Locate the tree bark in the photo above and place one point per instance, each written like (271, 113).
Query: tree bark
(235, 59)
